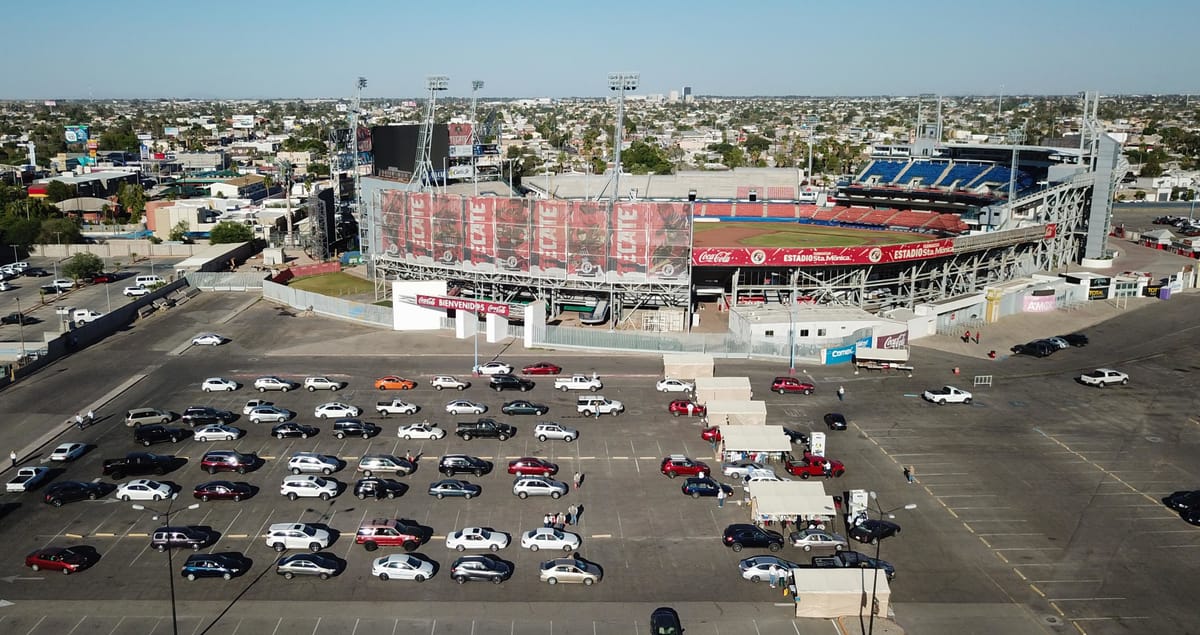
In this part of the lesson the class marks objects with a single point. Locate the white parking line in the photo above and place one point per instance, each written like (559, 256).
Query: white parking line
(77, 625)
(1082, 599)
(36, 624)
(1085, 581)
(62, 532)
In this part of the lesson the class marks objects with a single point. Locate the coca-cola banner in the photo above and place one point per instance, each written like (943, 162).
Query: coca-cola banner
(550, 237)
(447, 226)
(820, 256)
(587, 239)
(393, 223)
(895, 341)
(420, 228)
(628, 255)
(669, 241)
(513, 235)
(479, 232)
(463, 304)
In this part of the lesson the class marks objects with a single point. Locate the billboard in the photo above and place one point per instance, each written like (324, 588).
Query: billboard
(447, 229)
(420, 227)
(395, 149)
(479, 233)
(461, 151)
(393, 223)
(587, 239)
(243, 122)
(550, 237)
(513, 235)
(170, 131)
(669, 241)
(459, 134)
(821, 256)
(628, 253)
(461, 171)
(75, 134)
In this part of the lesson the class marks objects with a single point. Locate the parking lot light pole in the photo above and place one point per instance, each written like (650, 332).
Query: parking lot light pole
(170, 564)
(878, 544)
(21, 329)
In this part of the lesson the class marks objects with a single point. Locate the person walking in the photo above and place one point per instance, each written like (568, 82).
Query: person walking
(828, 467)
(841, 393)
(91, 417)
(78, 421)
(691, 408)
(12, 456)
(578, 480)
(908, 474)
(721, 497)
(571, 511)
(547, 521)
(773, 572)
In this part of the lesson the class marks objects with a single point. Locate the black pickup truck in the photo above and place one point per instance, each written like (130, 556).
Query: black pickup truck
(853, 559)
(485, 429)
(138, 464)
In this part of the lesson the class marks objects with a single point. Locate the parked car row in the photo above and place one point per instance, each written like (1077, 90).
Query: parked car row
(1050, 345)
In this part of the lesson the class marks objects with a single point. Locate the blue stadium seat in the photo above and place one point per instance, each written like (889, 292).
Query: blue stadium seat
(885, 170)
(963, 173)
(929, 172)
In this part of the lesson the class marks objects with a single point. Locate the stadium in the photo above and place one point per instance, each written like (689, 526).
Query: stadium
(920, 224)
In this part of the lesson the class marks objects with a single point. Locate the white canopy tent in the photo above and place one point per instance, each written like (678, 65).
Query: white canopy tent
(687, 365)
(723, 389)
(737, 413)
(776, 501)
(830, 593)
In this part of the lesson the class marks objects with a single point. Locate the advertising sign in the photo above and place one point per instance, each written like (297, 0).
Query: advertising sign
(817, 440)
(487, 149)
(628, 254)
(462, 304)
(447, 229)
(243, 122)
(170, 131)
(144, 152)
(821, 256)
(839, 355)
(669, 239)
(460, 134)
(1038, 303)
(893, 342)
(587, 239)
(393, 223)
(1051, 231)
(76, 134)
(420, 228)
(479, 248)
(513, 234)
(550, 237)
(144, 136)
(462, 151)
(461, 171)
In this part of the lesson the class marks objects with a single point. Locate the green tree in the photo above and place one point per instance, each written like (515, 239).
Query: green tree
(83, 265)
(230, 232)
(133, 199)
(179, 233)
(58, 191)
(643, 158)
(121, 137)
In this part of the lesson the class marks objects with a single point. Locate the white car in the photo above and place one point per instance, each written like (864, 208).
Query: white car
(217, 432)
(308, 486)
(143, 489)
(442, 382)
(758, 568)
(135, 291)
(674, 385)
(401, 566)
(255, 403)
(322, 383)
(68, 452)
(61, 284)
(764, 476)
(269, 414)
(208, 339)
(4, 286)
(336, 410)
(464, 407)
(554, 430)
(742, 469)
(495, 368)
(476, 538)
(549, 538)
(423, 430)
(312, 462)
(263, 384)
(219, 384)
(283, 536)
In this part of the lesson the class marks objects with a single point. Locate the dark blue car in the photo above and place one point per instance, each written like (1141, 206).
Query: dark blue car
(213, 565)
(454, 487)
(697, 487)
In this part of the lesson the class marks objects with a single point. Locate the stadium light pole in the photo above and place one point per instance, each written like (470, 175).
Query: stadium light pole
(1015, 136)
(810, 122)
(170, 565)
(475, 86)
(620, 82)
(878, 544)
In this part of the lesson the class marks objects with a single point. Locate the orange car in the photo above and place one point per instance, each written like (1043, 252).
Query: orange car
(392, 382)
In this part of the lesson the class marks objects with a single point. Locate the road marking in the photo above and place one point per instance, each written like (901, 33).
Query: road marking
(1028, 549)
(1039, 591)
(137, 535)
(1037, 533)
(1083, 599)
(1083, 580)
(1113, 617)
(601, 536)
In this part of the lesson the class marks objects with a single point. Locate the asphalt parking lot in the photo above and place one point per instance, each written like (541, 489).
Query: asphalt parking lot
(1037, 505)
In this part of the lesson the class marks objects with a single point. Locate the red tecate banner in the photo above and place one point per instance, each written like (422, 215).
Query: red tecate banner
(460, 134)
(670, 237)
(587, 239)
(820, 256)
(393, 223)
(550, 237)
(627, 254)
(479, 233)
(462, 304)
(513, 237)
(447, 226)
(420, 230)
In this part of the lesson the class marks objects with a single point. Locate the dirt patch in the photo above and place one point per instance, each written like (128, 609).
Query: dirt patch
(793, 235)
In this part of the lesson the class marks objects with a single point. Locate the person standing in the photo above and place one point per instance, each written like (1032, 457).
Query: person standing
(571, 511)
(773, 572)
(12, 456)
(841, 393)
(691, 408)
(828, 467)
(908, 474)
(720, 496)
(547, 521)
(578, 480)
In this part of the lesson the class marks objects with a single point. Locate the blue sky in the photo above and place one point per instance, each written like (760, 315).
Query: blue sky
(302, 48)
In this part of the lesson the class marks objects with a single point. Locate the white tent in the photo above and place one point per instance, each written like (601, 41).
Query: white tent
(737, 413)
(687, 365)
(755, 439)
(723, 389)
(778, 500)
(830, 593)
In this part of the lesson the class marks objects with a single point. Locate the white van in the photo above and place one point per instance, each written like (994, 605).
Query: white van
(148, 281)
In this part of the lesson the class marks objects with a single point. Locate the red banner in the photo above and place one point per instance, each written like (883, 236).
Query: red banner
(820, 256)
(393, 225)
(462, 304)
(1051, 231)
(420, 230)
(670, 238)
(512, 234)
(550, 232)
(460, 134)
(587, 239)
(447, 225)
(628, 254)
(479, 248)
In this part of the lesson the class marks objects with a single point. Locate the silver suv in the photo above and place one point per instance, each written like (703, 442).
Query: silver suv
(312, 462)
(526, 486)
(308, 486)
(263, 384)
(554, 430)
(371, 464)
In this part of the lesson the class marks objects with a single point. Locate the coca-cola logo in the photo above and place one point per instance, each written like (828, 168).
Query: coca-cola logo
(715, 257)
(896, 341)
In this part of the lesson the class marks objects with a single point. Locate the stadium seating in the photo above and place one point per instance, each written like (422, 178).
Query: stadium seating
(743, 192)
(886, 171)
(714, 209)
(881, 218)
(781, 193)
(999, 176)
(928, 172)
(782, 210)
(961, 174)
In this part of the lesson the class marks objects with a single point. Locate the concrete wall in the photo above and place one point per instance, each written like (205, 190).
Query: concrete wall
(119, 249)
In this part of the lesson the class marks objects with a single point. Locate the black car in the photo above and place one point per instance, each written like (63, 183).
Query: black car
(213, 565)
(138, 464)
(873, 531)
(1075, 339)
(665, 621)
(835, 420)
(293, 429)
(796, 436)
(1182, 501)
(343, 428)
(480, 567)
(375, 487)
(1191, 516)
(741, 535)
(165, 538)
(523, 407)
(36, 272)
(70, 491)
(697, 487)
(1036, 348)
(452, 464)
(149, 435)
(510, 382)
(204, 415)
(18, 318)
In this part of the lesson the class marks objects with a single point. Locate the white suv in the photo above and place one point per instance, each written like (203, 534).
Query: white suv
(283, 536)
(591, 405)
(554, 430)
(263, 384)
(312, 462)
(321, 383)
(308, 486)
(449, 381)
(526, 486)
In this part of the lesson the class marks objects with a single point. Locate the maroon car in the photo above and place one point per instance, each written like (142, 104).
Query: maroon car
(531, 465)
(65, 559)
(678, 464)
(813, 465)
(783, 385)
(104, 278)
(541, 368)
(712, 435)
(222, 490)
(679, 407)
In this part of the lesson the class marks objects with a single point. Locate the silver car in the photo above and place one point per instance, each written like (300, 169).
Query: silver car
(554, 430)
(743, 469)
(464, 407)
(806, 539)
(302, 462)
(526, 486)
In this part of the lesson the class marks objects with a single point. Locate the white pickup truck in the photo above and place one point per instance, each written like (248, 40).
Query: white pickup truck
(26, 479)
(83, 316)
(441, 382)
(1102, 377)
(578, 382)
(947, 394)
(395, 407)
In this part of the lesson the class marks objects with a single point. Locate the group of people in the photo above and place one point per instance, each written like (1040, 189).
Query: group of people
(559, 520)
(82, 421)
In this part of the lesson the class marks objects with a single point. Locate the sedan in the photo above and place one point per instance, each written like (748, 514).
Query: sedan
(218, 432)
(531, 465)
(495, 368)
(213, 565)
(68, 452)
(523, 407)
(742, 469)
(63, 492)
(541, 368)
(402, 566)
(293, 429)
(454, 487)
(208, 339)
(423, 430)
(464, 407)
(806, 539)
(336, 410)
(568, 570)
(1183, 500)
(873, 531)
(65, 559)
(218, 384)
(759, 568)
(686, 407)
(270, 414)
(321, 565)
(394, 382)
(143, 489)
(673, 385)
(549, 538)
(480, 567)
(222, 490)
(477, 538)
(835, 420)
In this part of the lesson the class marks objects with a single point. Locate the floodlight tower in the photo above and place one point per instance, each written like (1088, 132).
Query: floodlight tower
(422, 167)
(620, 82)
(475, 86)
(364, 246)
(1015, 137)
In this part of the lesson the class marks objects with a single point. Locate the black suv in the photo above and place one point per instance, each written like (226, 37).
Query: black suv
(1036, 348)
(485, 429)
(452, 464)
(510, 382)
(18, 318)
(743, 535)
(375, 487)
(138, 464)
(148, 435)
(343, 428)
(165, 538)
(204, 415)
(70, 491)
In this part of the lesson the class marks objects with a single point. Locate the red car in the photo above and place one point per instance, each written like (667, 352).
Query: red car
(541, 368)
(783, 385)
(680, 407)
(104, 278)
(393, 382)
(712, 435)
(678, 464)
(65, 559)
(531, 465)
(813, 465)
(222, 490)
